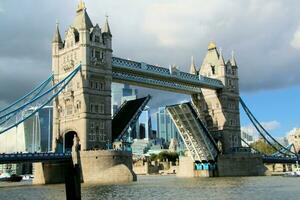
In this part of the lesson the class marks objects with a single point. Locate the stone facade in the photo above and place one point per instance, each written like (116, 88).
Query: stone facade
(83, 108)
(96, 167)
(240, 165)
(294, 138)
(220, 109)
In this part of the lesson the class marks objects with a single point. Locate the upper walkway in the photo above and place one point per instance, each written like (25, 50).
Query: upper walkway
(172, 79)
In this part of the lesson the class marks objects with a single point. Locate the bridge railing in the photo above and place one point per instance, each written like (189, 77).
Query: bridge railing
(169, 73)
(34, 157)
(155, 82)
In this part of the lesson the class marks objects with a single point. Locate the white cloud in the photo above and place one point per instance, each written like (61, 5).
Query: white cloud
(182, 23)
(295, 42)
(269, 126)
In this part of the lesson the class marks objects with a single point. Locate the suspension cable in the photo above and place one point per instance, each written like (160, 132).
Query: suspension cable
(63, 82)
(253, 120)
(42, 85)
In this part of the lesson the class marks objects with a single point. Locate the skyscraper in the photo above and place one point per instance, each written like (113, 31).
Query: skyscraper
(166, 129)
(34, 134)
(123, 92)
(145, 119)
(120, 93)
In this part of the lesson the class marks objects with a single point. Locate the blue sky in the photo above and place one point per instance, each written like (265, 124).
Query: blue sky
(280, 105)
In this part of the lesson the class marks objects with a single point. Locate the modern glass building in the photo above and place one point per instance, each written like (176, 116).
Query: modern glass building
(123, 92)
(120, 93)
(145, 121)
(166, 129)
(35, 134)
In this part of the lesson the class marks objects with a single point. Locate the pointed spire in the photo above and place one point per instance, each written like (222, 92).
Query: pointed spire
(212, 45)
(232, 60)
(106, 28)
(81, 6)
(56, 37)
(193, 69)
(82, 19)
(221, 58)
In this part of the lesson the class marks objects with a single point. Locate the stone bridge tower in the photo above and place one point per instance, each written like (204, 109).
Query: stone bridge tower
(83, 108)
(220, 109)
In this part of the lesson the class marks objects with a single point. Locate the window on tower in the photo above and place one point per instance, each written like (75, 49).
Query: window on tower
(97, 54)
(101, 106)
(97, 38)
(213, 70)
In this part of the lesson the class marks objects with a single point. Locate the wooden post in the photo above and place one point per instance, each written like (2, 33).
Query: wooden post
(72, 183)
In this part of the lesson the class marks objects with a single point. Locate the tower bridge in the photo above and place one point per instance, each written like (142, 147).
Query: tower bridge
(83, 69)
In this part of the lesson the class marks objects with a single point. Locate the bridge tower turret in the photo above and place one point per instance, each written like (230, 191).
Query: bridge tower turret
(220, 109)
(83, 108)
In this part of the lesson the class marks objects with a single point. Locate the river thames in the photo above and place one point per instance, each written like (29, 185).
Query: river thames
(167, 187)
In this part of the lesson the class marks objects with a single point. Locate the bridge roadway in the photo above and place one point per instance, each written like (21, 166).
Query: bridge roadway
(34, 157)
(66, 157)
(276, 159)
(172, 79)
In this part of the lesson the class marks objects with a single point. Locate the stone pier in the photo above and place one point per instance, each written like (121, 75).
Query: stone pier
(101, 167)
(226, 165)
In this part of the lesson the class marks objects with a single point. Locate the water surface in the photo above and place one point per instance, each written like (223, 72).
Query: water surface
(167, 187)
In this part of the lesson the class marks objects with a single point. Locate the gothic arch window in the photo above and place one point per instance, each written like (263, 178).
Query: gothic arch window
(76, 34)
(78, 105)
(97, 38)
(213, 70)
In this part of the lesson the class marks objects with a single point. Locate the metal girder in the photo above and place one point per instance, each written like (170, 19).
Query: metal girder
(153, 83)
(161, 74)
(276, 159)
(35, 157)
(193, 132)
(25, 111)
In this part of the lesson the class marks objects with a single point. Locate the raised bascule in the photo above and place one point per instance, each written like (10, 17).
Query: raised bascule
(83, 69)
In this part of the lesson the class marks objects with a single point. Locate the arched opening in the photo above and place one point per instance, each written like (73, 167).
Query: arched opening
(69, 140)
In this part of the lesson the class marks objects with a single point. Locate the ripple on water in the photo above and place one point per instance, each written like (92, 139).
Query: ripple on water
(168, 187)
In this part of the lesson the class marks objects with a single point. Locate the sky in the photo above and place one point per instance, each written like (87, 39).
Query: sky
(265, 36)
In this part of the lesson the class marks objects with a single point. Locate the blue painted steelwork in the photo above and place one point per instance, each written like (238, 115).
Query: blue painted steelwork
(264, 133)
(205, 166)
(134, 119)
(25, 110)
(276, 159)
(35, 157)
(32, 94)
(6, 117)
(173, 75)
(193, 132)
(285, 150)
(142, 81)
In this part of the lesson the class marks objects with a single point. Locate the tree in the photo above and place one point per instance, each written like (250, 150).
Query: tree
(263, 147)
(171, 156)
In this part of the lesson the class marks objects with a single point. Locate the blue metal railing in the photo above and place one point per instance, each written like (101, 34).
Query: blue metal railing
(34, 157)
(164, 72)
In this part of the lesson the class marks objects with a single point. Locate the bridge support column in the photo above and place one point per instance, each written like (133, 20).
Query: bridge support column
(240, 165)
(102, 166)
(187, 168)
